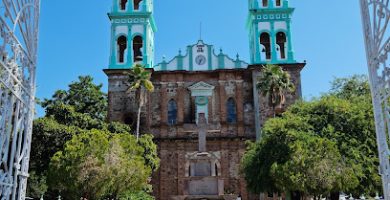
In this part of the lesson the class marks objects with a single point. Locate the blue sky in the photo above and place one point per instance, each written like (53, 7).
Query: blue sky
(75, 35)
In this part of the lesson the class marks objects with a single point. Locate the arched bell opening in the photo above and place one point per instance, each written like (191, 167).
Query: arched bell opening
(281, 41)
(265, 3)
(278, 3)
(137, 4)
(122, 47)
(123, 4)
(265, 41)
(137, 48)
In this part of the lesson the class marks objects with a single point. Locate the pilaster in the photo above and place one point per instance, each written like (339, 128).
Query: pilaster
(274, 55)
(289, 42)
(130, 56)
(256, 102)
(222, 99)
(240, 107)
(257, 43)
(163, 106)
(180, 102)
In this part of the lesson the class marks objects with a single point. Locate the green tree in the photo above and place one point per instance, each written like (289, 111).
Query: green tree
(96, 165)
(67, 114)
(37, 185)
(356, 89)
(344, 117)
(350, 88)
(274, 83)
(84, 96)
(292, 158)
(139, 79)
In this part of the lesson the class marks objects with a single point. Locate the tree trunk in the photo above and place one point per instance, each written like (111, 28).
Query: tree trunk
(138, 121)
(139, 114)
(334, 196)
(274, 110)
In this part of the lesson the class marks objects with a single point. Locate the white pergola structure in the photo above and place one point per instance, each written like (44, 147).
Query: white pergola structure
(376, 17)
(18, 57)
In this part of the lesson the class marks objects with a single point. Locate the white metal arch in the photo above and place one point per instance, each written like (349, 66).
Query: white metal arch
(376, 17)
(18, 55)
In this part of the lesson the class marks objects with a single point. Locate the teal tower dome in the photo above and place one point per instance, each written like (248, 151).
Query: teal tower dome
(132, 33)
(269, 25)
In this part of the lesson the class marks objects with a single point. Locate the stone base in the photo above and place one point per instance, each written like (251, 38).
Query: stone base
(197, 186)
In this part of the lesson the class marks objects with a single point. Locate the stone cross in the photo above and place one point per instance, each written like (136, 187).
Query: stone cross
(202, 128)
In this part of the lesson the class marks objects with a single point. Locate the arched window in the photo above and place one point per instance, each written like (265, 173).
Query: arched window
(231, 111)
(122, 46)
(281, 42)
(123, 4)
(265, 3)
(278, 2)
(137, 48)
(265, 40)
(136, 4)
(172, 112)
(216, 169)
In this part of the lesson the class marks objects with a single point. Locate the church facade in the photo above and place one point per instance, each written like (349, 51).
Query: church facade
(205, 105)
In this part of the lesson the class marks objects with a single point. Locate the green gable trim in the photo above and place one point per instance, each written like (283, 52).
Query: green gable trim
(180, 62)
(237, 63)
(214, 62)
(190, 58)
(210, 57)
(221, 61)
(164, 65)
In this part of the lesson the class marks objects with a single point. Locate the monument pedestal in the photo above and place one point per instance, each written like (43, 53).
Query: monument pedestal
(198, 186)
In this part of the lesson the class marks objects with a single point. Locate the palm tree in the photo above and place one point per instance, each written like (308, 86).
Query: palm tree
(139, 79)
(274, 83)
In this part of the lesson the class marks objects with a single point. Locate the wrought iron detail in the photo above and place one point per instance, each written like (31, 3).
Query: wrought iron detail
(376, 17)
(18, 56)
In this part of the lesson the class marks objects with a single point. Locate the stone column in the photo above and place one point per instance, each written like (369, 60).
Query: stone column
(240, 107)
(163, 106)
(222, 101)
(256, 102)
(210, 109)
(180, 102)
(274, 55)
(181, 169)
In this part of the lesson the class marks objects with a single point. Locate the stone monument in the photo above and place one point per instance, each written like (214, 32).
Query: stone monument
(203, 181)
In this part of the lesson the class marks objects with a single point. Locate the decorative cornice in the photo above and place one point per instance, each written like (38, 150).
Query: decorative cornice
(287, 66)
(201, 86)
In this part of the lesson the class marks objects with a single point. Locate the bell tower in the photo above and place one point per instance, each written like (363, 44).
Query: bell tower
(269, 25)
(132, 33)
